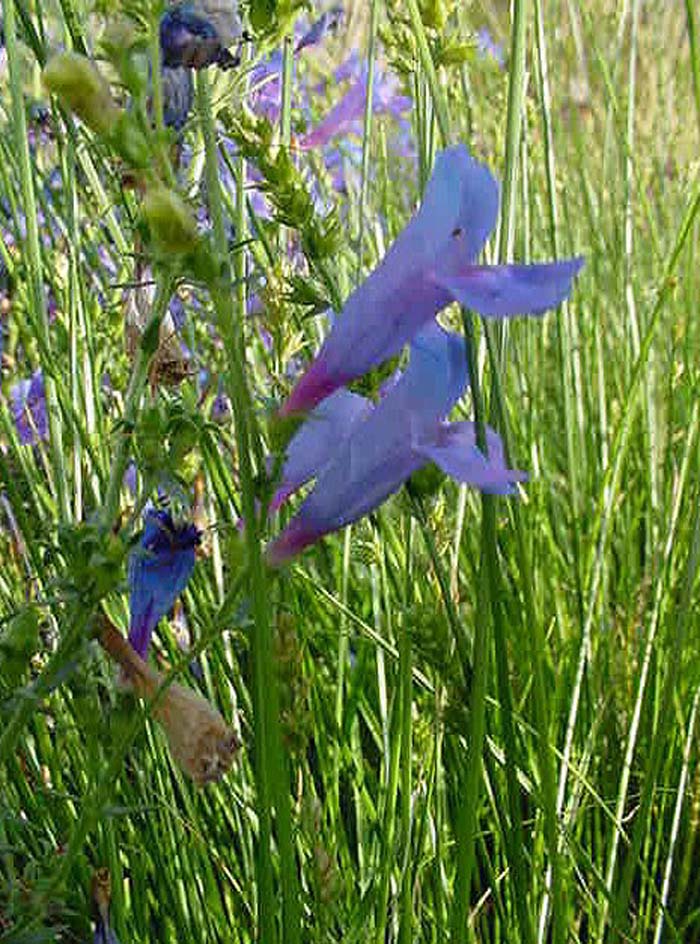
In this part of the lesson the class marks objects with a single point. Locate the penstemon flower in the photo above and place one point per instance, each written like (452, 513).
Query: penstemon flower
(429, 265)
(28, 405)
(197, 34)
(158, 573)
(360, 453)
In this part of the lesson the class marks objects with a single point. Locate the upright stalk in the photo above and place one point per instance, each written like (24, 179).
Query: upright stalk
(272, 777)
(34, 262)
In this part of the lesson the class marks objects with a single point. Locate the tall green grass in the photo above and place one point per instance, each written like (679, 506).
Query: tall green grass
(463, 718)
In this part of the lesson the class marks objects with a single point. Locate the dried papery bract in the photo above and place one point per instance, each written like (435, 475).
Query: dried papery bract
(200, 740)
(170, 366)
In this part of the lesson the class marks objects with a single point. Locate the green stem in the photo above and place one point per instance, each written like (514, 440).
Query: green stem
(367, 128)
(426, 60)
(137, 383)
(271, 769)
(34, 261)
(406, 690)
(692, 18)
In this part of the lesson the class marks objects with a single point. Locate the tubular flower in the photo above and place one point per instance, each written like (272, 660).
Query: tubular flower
(196, 34)
(429, 265)
(200, 740)
(158, 573)
(360, 452)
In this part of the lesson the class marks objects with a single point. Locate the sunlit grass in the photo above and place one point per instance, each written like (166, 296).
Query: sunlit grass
(558, 629)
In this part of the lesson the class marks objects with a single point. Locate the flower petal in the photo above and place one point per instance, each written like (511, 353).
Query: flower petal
(506, 290)
(373, 459)
(435, 377)
(196, 39)
(158, 573)
(313, 445)
(455, 451)
(401, 295)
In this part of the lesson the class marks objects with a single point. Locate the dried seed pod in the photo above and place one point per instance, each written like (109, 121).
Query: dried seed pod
(200, 740)
(169, 366)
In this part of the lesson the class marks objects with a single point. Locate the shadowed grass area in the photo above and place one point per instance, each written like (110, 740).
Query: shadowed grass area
(464, 717)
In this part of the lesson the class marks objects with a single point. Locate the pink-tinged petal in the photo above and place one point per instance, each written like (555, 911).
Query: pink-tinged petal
(402, 295)
(297, 536)
(503, 291)
(376, 456)
(315, 384)
(455, 451)
(339, 119)
(313, 445)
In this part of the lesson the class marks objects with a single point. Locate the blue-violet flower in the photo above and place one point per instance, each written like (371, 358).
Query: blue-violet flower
(429, 265)
(360, 452)
(159, 570)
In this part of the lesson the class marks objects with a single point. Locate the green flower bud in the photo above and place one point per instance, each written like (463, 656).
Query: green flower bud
(130, 141)
(79, 86)
(172, 225)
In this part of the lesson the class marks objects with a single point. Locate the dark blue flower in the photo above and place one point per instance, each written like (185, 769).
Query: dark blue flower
(159, 570)
(328, 22)
(178, 93)
(196, 35)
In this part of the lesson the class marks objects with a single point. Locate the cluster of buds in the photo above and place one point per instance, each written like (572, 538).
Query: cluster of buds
(200, 740)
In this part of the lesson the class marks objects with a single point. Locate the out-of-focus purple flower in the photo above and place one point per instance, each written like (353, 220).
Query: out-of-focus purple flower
(265, 96)
(429, 265)
(28, 404)
(360, 453)
(221, 409)
(328, 22)
(348, 113)
(195, 35)
(158, 573)
(350, 68)
(266, 86)
(104, 933)
(131, 479)
(178, 93)
(488, 47)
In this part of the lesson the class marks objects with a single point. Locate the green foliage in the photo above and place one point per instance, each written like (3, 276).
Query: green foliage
(558, 630)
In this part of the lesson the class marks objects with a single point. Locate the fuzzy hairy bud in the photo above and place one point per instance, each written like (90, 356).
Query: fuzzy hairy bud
(77, 83)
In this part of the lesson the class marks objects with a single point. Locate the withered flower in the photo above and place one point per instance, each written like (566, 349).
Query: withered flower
(200, 740)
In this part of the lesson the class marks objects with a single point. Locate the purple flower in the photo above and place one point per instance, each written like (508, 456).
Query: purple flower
(429, 265)
(28, 404)
(178, 94)
(328, 22)
(158, 573)
(266, 86)
(488, 47)
(104, 933)
(196, 35)
(348, 113)
(221, 408)
(130, 480)
(360, 452)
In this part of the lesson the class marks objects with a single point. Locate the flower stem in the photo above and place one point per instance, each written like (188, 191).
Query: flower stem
(34, 262)
(271, 773)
